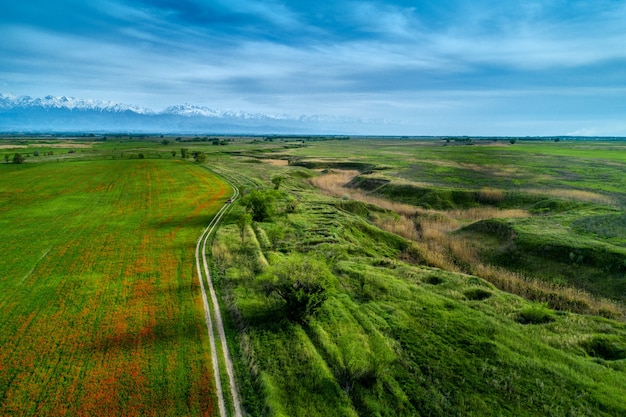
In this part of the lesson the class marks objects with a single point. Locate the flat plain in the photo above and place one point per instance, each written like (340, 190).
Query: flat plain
(100, 309)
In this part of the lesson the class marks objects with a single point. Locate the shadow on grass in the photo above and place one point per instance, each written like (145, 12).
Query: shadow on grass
(272, 318)
(182, 222)
(161, 334)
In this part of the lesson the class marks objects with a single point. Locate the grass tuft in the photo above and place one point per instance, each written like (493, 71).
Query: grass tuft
(535, 315)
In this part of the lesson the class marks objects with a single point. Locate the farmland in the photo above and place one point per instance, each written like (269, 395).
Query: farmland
(453, 278)
(99, 302)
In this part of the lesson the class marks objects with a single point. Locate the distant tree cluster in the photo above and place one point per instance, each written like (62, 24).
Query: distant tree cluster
(199, 157)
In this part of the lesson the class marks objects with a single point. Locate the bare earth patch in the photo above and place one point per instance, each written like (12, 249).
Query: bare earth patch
(66, 145)
(13, 146)
(277, 162)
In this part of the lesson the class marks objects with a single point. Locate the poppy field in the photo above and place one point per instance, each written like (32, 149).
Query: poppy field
(100, 307)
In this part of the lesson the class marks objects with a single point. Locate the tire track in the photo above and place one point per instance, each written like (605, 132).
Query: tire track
(213, 315)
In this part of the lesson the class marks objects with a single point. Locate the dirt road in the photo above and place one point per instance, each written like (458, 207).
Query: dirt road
(213, 318)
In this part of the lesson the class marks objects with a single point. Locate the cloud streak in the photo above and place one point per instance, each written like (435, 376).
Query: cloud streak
(406, 61)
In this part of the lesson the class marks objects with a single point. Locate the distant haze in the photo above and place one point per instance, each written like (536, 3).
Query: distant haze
(69, 114)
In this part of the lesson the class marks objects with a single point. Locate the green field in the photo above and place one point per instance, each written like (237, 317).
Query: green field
(482, 279)
(100, 310)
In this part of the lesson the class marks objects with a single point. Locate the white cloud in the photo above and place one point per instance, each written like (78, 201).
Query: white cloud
(385, 20)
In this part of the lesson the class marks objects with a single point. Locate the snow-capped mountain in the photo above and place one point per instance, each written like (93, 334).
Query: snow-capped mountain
(69, 114)
(69, 103)
(192, 111)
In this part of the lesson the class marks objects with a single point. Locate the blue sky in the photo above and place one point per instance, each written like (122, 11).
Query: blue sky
(447, 67)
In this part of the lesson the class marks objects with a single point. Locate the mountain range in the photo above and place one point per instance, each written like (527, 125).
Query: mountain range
(68, 114)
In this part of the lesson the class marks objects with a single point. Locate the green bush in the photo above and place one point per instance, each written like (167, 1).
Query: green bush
(260, 204)
(606, 347)
(535, 315)
(477, 294)
(434, 280)
(302, 282)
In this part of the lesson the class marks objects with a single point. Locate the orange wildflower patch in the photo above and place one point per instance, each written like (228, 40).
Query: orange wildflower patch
(101, 325)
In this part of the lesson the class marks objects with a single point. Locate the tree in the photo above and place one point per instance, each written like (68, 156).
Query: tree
(6, 158)
(302, 282)
(36, 153)
(260, 204)
(512, 141)
(165, 141)
(243, 221)
(18, 158)
(184, 153)
(200, 157)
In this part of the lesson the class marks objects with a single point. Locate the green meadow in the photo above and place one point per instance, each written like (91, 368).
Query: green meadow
(360, 277)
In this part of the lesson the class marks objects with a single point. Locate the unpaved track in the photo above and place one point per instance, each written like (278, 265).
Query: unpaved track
(213, 317)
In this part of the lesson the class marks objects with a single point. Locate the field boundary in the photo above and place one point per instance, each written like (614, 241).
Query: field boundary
(212, 312)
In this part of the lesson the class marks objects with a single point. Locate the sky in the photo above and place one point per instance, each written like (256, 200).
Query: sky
(445, 67)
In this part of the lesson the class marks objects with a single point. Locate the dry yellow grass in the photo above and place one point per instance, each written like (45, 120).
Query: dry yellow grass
(333, 184)
(277, 162)
(13, 146)
(490, 195)
(401, 226)
(430, 230)
(569, 194)
(482, 213)
(64, 145)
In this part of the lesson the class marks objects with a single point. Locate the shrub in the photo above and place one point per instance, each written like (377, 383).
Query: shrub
(277, 181)
(18, 158)
(434, 280)
(535, 315)
(200, 157)
(605, 347)
(302, 282)
(477, 294)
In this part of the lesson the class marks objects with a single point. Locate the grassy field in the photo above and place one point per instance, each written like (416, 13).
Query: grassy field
(100, 311)
(465, 280)
(399, 337)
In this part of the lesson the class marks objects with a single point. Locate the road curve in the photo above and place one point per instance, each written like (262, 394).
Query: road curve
(213, 317)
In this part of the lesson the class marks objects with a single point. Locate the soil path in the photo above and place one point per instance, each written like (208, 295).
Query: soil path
(213, 317)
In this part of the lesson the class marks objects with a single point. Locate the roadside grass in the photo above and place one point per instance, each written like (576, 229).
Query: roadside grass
(100, 312)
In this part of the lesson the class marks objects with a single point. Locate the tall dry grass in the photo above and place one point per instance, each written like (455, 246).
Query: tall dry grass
(576, 195)
(431, 232)
(334, 183)
(401, 226)
(490, 195)
(482, 213)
